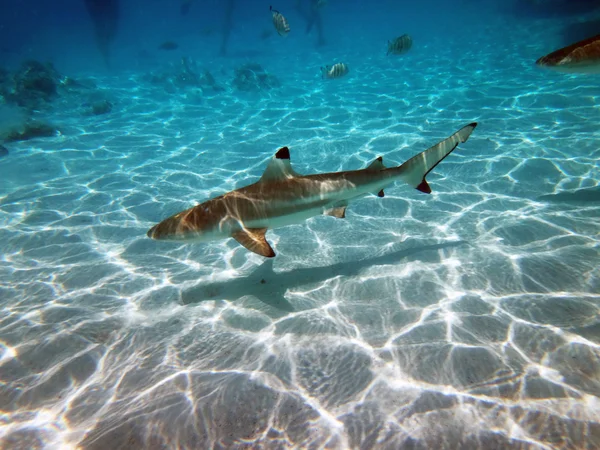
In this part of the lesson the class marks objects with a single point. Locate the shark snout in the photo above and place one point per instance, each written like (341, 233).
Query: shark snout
(151, 233)
(176, 228)
(160, 231)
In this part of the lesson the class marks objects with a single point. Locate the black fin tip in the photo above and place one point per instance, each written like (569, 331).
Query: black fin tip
(424, 187)
(283, 153)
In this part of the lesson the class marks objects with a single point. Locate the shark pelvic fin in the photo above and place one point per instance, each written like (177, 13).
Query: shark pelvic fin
(377, 164)
(254, 240)
(339, 212)
(414, 171)
(279, 167)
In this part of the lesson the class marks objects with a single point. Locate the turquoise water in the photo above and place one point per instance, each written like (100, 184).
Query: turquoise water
(468, 318)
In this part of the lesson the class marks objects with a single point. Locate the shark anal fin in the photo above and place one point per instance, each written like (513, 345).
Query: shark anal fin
(339, 212)
(381, 193)
(254, 240)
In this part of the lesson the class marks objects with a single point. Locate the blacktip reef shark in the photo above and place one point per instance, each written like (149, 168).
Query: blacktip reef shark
(283, 197)
(580, 57)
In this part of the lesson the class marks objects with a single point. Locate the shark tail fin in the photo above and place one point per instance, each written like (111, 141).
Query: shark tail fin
(414, 171)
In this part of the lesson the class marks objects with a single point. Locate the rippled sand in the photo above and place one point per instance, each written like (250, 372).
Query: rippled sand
(463, 319)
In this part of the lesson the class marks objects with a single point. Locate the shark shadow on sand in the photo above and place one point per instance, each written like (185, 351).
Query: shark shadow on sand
(584, 195)
(270, 287)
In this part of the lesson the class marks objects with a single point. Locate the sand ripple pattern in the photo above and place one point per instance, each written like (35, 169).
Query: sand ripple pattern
(464, 319)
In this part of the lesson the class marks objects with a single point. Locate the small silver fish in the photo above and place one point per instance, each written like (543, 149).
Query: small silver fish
(281, 24)
(336, 71)
(399, 45)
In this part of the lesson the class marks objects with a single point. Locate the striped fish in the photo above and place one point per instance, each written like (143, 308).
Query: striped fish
(399, 45)
(336, 71)
(281, 24)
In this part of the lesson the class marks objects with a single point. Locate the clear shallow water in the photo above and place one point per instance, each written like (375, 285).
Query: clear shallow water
(463, 319)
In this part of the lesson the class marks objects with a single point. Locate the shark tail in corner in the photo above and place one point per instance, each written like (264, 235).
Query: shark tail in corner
(414, 171)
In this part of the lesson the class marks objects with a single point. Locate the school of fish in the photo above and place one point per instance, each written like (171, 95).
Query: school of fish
(398, 46)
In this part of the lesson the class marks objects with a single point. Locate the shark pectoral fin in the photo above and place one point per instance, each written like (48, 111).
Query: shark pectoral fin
(254, 240)
(414, 171)
(339, 212)
(279, 167)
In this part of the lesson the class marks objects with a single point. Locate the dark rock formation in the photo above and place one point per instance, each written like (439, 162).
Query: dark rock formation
(101, 107)
(185, 75)
(253, 78)
(30, 130)
(34, 83)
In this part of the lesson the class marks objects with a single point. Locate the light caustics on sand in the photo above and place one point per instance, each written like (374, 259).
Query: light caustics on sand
(468, 317)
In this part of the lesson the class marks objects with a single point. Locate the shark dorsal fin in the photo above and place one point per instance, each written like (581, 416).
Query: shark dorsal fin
(279, 167)
(377, 164)
(254, 240)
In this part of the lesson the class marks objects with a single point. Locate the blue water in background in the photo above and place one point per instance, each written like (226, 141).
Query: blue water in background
(464, 319)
